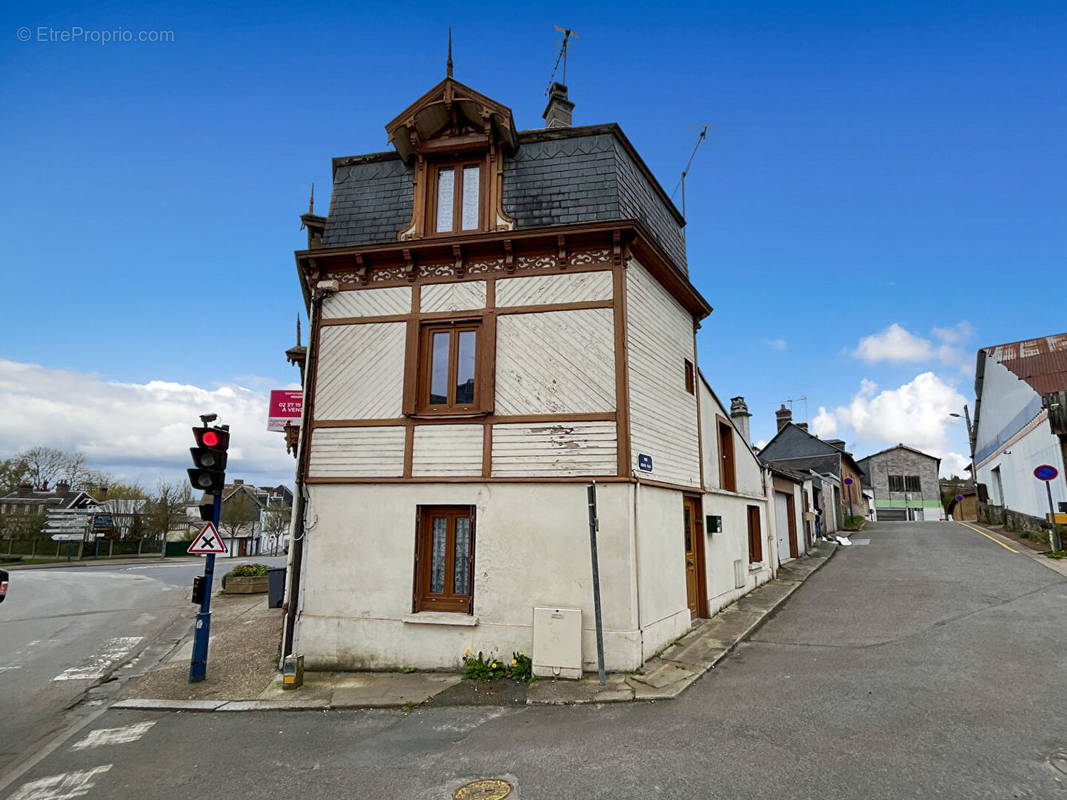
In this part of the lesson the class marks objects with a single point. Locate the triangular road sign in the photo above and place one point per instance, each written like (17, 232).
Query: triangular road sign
(208, 541)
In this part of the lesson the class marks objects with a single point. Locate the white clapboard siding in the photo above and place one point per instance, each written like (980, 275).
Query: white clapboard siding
(357, 453)
(361, 371)
(663, 415)
(554, 449)
(556, 362)
(538, 290)
(461, 296)
(368, 303)
(443, 450)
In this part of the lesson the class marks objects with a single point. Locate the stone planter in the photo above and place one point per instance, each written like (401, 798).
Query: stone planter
(253, 585)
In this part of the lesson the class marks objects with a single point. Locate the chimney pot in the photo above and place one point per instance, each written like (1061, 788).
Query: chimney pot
(62, 487)
(102, 491)
(559, 109)
(784, 416)
(739, 414)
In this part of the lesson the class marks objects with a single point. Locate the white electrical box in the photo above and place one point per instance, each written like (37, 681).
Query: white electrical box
(557, 643)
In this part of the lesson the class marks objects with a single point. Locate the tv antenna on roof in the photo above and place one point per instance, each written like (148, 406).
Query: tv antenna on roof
(567, 34)
(701, 137)
(799, 400)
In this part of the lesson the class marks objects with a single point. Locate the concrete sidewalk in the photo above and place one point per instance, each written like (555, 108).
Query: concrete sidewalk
(1055, 564)
(664, 676)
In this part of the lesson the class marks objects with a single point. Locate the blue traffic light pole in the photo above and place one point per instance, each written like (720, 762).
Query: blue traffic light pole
(198, 664)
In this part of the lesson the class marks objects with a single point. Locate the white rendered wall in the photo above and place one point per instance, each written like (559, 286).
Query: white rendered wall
(531, 549)
(1022, 491)
(660, 534)
(1004, 396)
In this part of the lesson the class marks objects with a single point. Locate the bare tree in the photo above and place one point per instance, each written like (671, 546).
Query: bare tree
(44, 465)
(239, 515)
(276, 521)
(167, 507)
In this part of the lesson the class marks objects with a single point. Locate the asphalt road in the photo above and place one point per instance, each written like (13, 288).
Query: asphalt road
(928, 663)
(64, 631)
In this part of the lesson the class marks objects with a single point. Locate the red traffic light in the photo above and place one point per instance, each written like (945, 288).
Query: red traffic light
(211, 439)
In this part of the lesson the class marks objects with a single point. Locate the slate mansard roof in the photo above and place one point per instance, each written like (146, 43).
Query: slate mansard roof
(558, 176)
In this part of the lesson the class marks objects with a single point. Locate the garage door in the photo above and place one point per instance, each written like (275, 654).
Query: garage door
(892, 515)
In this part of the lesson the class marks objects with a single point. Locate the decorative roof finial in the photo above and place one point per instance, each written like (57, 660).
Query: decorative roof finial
(298, 330)
(448, 68)
(311, 202)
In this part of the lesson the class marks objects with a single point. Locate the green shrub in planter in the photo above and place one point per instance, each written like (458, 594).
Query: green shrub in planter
(245, 571)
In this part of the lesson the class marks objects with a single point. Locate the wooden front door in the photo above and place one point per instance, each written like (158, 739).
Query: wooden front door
(694, 557)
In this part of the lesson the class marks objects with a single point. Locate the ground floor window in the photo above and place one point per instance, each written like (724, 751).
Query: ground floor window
(444, 559)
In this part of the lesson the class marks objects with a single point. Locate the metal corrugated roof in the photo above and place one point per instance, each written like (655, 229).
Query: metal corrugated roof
(1041, 362)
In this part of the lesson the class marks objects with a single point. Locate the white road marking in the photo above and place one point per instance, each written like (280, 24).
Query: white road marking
(113, 651)
(104, 736)
(8, 669)
(61, 787)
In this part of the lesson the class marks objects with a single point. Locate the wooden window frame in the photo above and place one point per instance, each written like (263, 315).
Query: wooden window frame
(913, 479)
(755, 535)
(690, 379)
(727, 459)
(433, 173)
(449, 601)
(424, 366)
(890, 481)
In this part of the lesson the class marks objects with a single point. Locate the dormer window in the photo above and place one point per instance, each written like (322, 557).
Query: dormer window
(457, 198)
(455, 139)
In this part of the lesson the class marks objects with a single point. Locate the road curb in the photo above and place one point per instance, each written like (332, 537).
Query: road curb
(576, 693)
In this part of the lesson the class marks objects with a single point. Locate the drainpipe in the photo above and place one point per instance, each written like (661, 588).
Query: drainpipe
(297, 527)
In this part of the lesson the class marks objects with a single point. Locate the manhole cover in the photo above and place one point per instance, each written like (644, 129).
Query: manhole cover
(485, 789)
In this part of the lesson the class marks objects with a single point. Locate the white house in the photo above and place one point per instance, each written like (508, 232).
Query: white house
(1012, 434)
(499, 318)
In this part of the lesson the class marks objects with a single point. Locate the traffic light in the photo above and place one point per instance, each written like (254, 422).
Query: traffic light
(209, 456)
(198, 590)
(207, 507)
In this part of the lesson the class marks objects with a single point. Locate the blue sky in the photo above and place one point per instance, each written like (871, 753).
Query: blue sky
(868, 165)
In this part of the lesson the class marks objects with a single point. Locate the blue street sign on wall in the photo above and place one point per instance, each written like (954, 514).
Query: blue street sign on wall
(1046, 472)
(644, 462)
(959, 498)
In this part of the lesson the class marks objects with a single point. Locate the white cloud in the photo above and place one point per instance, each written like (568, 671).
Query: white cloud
(916, 414)
(137, 432)
(954, 464)
(824, 424)
(776, 344)
(899, 345)
(894, 344)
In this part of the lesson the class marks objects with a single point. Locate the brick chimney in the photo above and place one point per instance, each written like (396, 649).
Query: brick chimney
(102, 491)
(62, 487)
(558, 111)
(838, 443)
(803, 426)
(739, 414)
(784, 416)
(25, 489)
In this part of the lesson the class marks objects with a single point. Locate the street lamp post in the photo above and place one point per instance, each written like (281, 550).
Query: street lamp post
(970, 451)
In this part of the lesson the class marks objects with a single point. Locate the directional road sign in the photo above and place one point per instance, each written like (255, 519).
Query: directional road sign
(207, 542)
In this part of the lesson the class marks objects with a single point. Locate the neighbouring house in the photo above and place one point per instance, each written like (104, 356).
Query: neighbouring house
(1019, 386)
(790, 493)
(965, 509)
(25, 511)
(839, 492)
(498, 319)
(253, 520)
(905, 485)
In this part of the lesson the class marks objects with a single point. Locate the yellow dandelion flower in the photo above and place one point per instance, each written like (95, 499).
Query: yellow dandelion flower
(521, 653)
(495, 665)
(467, 652)
(514, 662)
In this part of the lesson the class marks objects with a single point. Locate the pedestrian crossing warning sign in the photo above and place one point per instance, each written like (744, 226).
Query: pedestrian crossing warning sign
(207, 542)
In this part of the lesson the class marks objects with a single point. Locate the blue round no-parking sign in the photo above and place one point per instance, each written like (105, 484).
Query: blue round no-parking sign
(1046, 472)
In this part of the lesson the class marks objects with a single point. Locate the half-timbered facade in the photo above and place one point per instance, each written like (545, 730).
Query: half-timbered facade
(498, 319)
